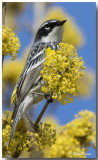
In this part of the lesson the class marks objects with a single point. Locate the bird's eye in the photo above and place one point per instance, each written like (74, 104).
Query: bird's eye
(47, 27)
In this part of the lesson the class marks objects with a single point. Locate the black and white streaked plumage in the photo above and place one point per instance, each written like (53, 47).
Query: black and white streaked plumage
(48, 35)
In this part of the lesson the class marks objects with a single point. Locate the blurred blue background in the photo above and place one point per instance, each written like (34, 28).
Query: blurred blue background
(84, 15)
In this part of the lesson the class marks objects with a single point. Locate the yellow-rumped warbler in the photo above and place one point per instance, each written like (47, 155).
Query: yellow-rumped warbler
(28, 88)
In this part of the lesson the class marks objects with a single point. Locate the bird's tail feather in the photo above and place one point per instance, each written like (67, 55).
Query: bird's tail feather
(16, 117)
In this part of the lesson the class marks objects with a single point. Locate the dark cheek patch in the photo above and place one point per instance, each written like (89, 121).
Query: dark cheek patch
(42, 32)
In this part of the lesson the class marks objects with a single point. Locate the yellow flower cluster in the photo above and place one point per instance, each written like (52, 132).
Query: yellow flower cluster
(72, 33)
(10, 42)
(25, 140)
(71, 140)
(62, 70)
(45, 136)
(18, 143)
(75, 137)
(84, 127)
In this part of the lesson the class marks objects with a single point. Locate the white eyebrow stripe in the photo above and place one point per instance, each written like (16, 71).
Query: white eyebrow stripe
(53, 20)
(47, 23)
(43, 24)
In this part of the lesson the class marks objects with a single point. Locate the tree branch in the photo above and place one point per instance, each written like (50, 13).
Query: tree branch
(41, 114)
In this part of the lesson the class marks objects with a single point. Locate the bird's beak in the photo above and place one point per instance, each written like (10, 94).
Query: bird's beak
(61, 22)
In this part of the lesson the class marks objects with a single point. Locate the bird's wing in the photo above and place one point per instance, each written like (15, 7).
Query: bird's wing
(31, 72)
(28, 79)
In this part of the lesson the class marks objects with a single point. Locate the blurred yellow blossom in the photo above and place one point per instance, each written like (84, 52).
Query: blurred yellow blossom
(65, 147)
(86, 83)
(14, 9)
(74, 138)
(62, 69)
(10, 42)
(51, 120)
(83, 127)
(72, 33)
(12, 71)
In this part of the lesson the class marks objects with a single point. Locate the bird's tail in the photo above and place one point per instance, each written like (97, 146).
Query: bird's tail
(16, 117)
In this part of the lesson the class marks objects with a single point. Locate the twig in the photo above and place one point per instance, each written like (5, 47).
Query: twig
(3, 22)
(41, 114)
(2, 61)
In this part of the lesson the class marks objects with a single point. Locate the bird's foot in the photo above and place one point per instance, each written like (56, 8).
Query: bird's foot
(49, 98)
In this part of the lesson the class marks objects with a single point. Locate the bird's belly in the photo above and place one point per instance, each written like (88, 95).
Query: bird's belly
(33, 98)
(37, 97)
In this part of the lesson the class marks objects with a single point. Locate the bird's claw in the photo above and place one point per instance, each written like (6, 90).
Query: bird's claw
(49, 98)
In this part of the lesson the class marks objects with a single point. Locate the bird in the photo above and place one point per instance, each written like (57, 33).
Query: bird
(27, 91)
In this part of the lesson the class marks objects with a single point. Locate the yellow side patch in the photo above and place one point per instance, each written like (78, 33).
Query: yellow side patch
(13, 98)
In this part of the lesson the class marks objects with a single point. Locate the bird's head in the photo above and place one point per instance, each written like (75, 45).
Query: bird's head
(50, 31)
